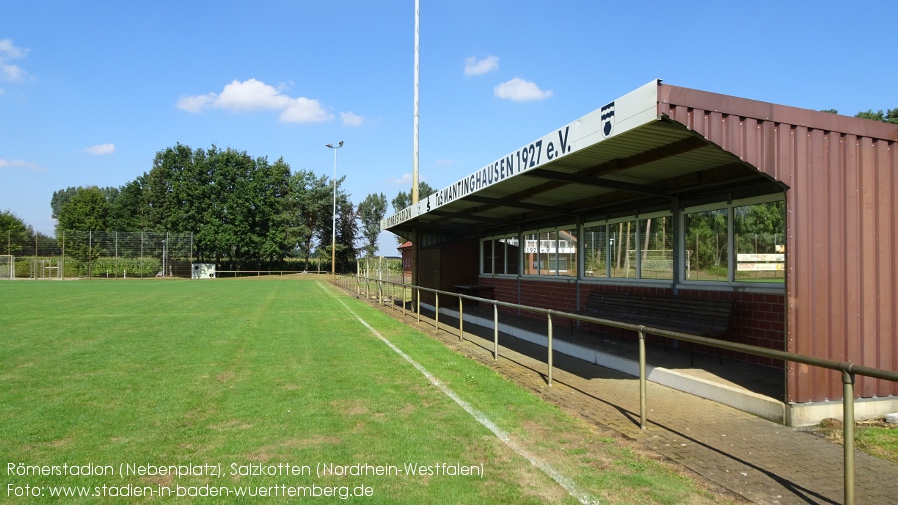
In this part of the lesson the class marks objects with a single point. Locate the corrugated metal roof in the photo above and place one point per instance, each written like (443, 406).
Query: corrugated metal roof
(646, 166)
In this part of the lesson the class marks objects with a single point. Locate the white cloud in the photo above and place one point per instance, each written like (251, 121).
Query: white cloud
(195, 103)
(27, 165)
(520, 90)
(305, 110)
(252, 95)
(8, 71)
(405, 180)
(350, 119)
(473, 66)
(12, 72)
(9, 50)
(100, 149)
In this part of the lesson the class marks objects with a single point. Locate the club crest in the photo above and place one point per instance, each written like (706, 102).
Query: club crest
(608, 119)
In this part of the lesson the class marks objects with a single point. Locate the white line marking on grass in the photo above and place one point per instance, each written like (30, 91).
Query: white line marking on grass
(566, 483)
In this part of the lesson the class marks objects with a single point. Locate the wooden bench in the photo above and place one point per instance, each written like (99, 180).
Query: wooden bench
(475, 290)
(704, 317)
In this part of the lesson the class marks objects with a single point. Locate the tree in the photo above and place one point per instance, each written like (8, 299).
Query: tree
(126, 212)
(889, 116)
(309, 207)
(172, 192)
(404, 200)
(86, 210)
(236, 206)
(345, 231)
(59, 199)
(371, 211)
(13, 233)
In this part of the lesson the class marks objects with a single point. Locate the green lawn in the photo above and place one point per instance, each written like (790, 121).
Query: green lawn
(275, 374)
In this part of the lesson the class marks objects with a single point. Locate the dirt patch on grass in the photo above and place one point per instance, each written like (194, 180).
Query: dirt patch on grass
(350, 408)
(225, 376)
(273, 451)
(233, 425)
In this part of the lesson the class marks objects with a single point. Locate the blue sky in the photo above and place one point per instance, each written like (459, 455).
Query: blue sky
(90, 91)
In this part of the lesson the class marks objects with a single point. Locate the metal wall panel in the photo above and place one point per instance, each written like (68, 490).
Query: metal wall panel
(842, 214)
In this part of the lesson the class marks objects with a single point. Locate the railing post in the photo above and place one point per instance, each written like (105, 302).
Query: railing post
(461, 319)
(418, 298)
(436, 315)
(549, 317)
(495, 331)
(848, 434)
(642, 378)
(380, 277)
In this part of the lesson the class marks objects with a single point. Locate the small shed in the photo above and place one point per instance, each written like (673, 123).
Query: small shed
(202, 270)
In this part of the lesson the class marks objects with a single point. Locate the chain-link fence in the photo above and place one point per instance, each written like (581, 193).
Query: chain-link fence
(74, 254)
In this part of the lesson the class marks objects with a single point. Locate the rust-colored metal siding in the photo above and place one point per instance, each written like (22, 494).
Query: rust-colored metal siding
(842, 214)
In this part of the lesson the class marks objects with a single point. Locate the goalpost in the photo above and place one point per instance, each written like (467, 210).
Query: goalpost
(7, 267)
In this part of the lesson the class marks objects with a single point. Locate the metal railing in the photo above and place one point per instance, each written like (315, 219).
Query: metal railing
(849, 370)
(259, 273)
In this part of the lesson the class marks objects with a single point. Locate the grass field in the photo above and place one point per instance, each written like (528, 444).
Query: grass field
(254, 385)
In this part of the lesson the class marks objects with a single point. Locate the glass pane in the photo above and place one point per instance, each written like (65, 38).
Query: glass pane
(595, 251)
(512, 253)
(567, 252)
(706, 246)
(547, 253)
(531, 254)
(487, 254)
(760, 242)
(656, 257)
(622, 249)
(499, 264)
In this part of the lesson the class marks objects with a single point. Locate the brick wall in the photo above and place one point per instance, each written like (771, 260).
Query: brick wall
(758, 319)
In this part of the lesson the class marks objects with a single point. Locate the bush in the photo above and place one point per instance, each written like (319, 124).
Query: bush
(119, 267)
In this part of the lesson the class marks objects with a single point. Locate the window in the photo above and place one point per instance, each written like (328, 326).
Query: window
(486, 255)
(656, 248)
(500, 255)
(551, 252)
(706, 245)
(595, 250)
(760, 242)
(728, 242)
(743, 241)
(622, 249)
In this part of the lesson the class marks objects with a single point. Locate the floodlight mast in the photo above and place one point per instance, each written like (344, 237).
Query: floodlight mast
(416, 239)
(415, 195)
(334, 220)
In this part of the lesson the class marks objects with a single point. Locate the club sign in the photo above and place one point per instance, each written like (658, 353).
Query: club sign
(633, 109)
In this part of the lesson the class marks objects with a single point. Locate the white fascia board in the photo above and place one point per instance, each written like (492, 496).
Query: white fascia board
(632, 110)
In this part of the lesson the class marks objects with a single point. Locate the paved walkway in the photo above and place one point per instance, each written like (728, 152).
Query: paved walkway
(765, 462)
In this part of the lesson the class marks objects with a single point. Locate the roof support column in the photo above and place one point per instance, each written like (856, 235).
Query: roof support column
(679, 251)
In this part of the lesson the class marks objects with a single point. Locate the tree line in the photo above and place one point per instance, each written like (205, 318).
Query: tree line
(243, 212)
